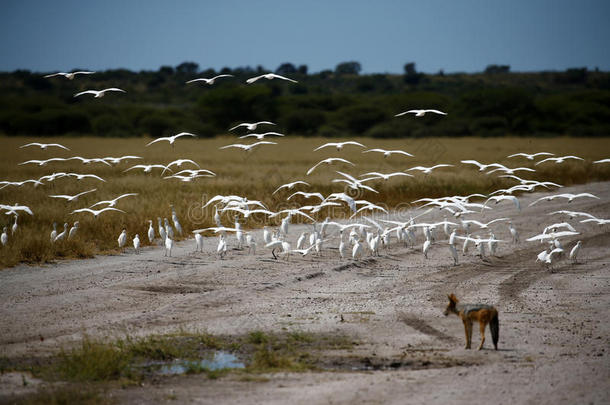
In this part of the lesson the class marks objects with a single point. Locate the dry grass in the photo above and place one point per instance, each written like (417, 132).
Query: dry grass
(255, 175)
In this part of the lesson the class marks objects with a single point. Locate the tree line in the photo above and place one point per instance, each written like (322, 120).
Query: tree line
(334, 103)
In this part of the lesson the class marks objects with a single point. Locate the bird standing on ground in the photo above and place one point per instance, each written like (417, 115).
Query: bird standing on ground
(122, 238)
(73, 230)
(136, 243)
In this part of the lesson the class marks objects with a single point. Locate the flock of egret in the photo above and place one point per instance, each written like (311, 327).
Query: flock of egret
(357, 238)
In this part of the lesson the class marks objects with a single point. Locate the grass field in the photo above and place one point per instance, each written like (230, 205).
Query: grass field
(253, 175)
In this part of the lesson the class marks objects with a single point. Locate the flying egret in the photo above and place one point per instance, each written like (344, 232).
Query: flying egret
(171, 139)
(339, 145)
(328, 161)
(44, 146)
(388, 153)
(499, 198)
(306, 195)
(531, 156)
(84, 176)
(560, 159)
(179, 163)
(260, 137)
(117, 160)
(96, 213)
(147, 168)
(112, 203)
(428, 170)
(71, 198)
(209, 81)
(99, 93)
(386, 177)
(70, 75)
(569, 196)
(269, 76)
(420, 113)
(4, 184)
(248, 148)
(251, 126)
(289, 186)
(43, 162)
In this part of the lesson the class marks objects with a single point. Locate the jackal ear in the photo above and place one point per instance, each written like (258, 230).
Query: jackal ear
(452, 297)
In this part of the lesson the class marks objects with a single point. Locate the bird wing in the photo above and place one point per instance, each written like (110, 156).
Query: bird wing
(86, 92)
(314, 167)
(113, 89)
(253, 79)
(200, 79)
(325, 145)
(437, 112)
(284, 78)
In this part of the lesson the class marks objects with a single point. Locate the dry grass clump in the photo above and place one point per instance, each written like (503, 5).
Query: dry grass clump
(255, 175)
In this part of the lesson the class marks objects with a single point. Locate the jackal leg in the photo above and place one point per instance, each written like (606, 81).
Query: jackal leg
(482, 328)
(468, 331)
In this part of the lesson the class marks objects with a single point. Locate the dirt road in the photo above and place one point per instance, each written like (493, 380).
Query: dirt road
(554, 337)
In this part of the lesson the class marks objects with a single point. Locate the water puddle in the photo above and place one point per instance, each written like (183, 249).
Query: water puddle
(218, 360)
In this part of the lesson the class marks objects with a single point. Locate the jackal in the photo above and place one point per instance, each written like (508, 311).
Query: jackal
(485, 314)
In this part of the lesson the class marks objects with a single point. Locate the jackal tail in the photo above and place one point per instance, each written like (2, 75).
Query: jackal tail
(494, 325)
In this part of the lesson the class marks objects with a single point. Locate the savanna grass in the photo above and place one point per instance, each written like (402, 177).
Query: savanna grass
(253, 175)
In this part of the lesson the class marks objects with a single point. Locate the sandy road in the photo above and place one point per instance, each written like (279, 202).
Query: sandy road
(554, 325)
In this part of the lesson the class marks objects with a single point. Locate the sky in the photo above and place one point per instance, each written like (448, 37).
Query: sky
(382, 35)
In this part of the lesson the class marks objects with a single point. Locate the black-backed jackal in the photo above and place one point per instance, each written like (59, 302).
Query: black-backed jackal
(485, 314)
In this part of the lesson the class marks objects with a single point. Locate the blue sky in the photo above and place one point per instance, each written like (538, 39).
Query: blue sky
(453, 35)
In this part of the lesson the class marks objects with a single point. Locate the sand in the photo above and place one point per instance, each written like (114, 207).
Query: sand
(554, 333)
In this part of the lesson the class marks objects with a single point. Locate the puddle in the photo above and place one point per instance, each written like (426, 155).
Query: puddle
(218, 361)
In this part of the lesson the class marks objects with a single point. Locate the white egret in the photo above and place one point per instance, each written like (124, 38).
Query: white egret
(96, 213)
(221, 249)
(112, 203)
(14, 209)
(161, 230)
(420, 113)
(4, 236)
(136, 243)
(117, 160)
(147, 168)
(122, 238)
(388, 153)
(454, 254)
(248, 148)
(85, 176)
(198, 243)
(569, 196)
(598, 221)
(499, 198)
(428, 170)
(290, 186)
(43, 162)
(426, 248)
(71, 198)
(306, 195)
(62, 235)
(251, 126)
(328, 161)
(339, 145)
(99, 93)
(574, 252)
(175, 220)
(269, 76)
(209, 81)
(44, 146)
(4, 184)
(70, 75)
(169, 231)
(169, 244)
(171, 139)
(560, 159)
(513, 232)
(151, 231)
(384, 176)
(14, 227)
(260, 137)
(73, 230)
(531, 156)
(54, 232)
(179, 163)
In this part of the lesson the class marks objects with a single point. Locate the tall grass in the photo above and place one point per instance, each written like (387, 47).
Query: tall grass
(253, 175)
